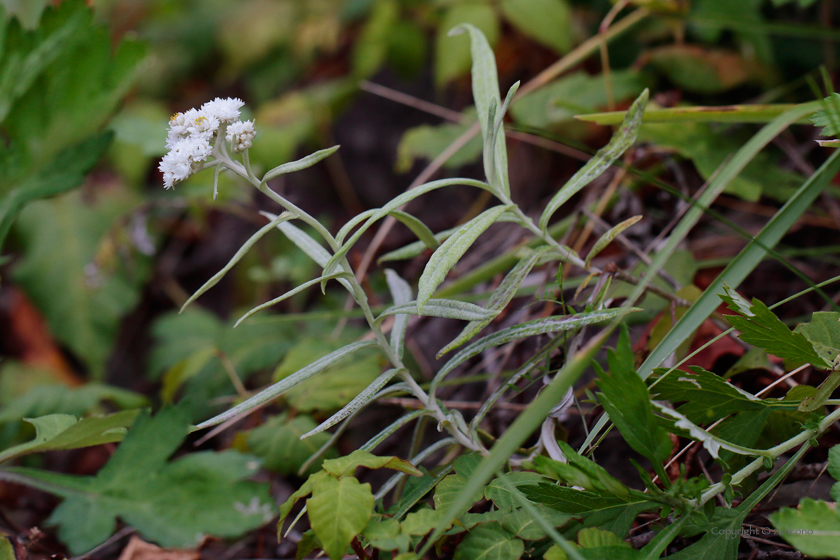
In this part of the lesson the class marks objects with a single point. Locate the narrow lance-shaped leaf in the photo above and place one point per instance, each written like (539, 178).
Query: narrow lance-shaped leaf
(608, 238)
(601, 161)
(353, 222)
(287, 383)
(417, 227)
(445, 308)
(401, 294)
(500, 298)
(395, 204)
(359, 401)
(302, 163)
(237, 257)
(523, 330)
(485, 85)
(340, 276)
(413, 249)
(451, 251)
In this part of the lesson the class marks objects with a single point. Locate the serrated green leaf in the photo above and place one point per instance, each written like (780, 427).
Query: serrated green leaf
(521, 524)
(823, 332)
(828, 116)
(500, 298)
(489, 541)
(610, 513)
(447, 491)
(62, 431)
(546, 21)
(601, 161)
(278, 442)
(608, 238)
(813, 528)
(762, 328)
(448, 254)
(625, 398)
(346, 466)
(499, 493)
(446, 308)
(174, 504)
(580, 471)
(338, 510)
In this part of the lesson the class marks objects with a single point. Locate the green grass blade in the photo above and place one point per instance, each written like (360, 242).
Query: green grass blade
(725, 114)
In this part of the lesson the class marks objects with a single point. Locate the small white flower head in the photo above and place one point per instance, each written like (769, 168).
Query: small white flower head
(225, 110)
(240, 135)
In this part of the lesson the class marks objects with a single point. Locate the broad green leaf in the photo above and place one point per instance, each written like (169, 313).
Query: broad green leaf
(608, 238)
(358, 402)
(371, 46)
(346, 466)
(601, 161)
(813, 528)
(707, 396)
(575, 95)
(429, 141)
(625, 398)
(417, 488)
(489, 541)
(702, 70)
(546, 21)
(401, 294)
(823, 332)
(499, 493)
(488, 104)
(304, 490)
(523, 525)
(760, 327)
(607, 512)
(82, 298)
(51, 398)
(65, 172)
(446, 308)
(237, 257)
(384, 534)
(278, 442)
(62, 431)
(417, 227)
(834, 470)
(174, 504)
(500, 298)
(447, 490)
(338, 510)
(828, 116)
(287, 383)
(336, 386)
(452, 54)
(421, 522)
(448, 254)
(530, 328)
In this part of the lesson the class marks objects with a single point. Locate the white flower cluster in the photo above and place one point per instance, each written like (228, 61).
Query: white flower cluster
(191, 136)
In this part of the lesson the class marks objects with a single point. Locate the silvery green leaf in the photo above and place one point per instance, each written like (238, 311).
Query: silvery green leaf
(413, 249)
(531, 328)
(601, 161)
(451, 251)
(485, 84)
(358, 402)
(302, 163)
(335, 276)
(500, 298)
(608, 237)
(238, 256)
(446, 308)
(712, 443)
(395, 204)
(302, 240)
(287, 383)
(401, 293)
(216, 180)
(353, 222)
(417, 227)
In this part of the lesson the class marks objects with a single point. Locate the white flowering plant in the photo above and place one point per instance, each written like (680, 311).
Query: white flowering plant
(347, 515)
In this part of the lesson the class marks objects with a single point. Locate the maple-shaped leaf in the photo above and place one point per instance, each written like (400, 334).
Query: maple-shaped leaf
(760, 327)
(172, 503)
